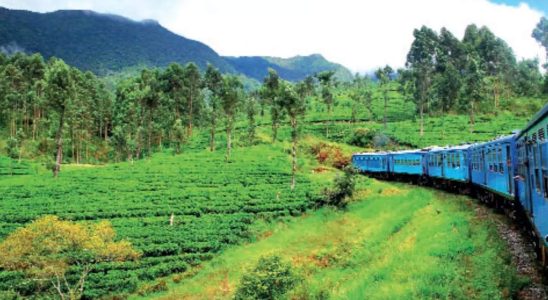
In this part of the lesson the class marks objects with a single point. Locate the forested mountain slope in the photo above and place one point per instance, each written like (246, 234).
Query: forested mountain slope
(105, 43)
(100, 42)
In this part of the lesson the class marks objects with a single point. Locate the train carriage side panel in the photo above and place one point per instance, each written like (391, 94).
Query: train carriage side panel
(493, 166)
(533, 172)
(408, 162)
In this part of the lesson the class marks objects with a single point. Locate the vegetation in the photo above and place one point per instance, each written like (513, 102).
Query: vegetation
(270, 279)
(135, 152)
(46, 248)
(393, 241)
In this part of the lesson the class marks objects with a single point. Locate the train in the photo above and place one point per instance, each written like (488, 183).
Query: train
(509, 173)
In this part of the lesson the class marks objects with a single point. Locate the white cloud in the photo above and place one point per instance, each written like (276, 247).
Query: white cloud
(361, 35)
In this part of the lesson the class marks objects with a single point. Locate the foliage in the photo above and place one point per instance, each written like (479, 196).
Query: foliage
(46, 249)
(270, 279)
(342, 190)
(212, 209)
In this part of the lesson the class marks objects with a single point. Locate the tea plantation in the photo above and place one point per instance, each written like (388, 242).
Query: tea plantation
(212, 202)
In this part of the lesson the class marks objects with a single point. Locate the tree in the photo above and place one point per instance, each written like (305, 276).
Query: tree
(192, 92)
(528, 81)
(230, 100)
(59, 94)
(213, 82)
(178, 135)
(342, 190)
(361, 95)
(270, 92)
(271, 279)
(421, 59)
(473, 87)
(48, 247)
(326, 81)
(384, 75)
(293, 101)
(251, 112)
(540, 33)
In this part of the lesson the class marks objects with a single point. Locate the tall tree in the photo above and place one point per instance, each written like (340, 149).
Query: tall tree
(270, 92)
(173, 83)
(473, 87)
(230, 100)
(540, 33)
(251, 107)
(326, 81)
(192, 92)
(293, 101)
(59, 94)
(213, 82)
(384, 75)
(421, 60)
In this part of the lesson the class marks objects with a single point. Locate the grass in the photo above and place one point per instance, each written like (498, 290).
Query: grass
(394, 242)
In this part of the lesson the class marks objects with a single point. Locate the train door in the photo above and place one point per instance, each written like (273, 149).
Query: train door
(509, 170)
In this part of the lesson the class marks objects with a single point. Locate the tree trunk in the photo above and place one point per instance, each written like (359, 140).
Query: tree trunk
(472, 116)
(228, 140)
(212, 137)
(59, 141)
(293, 151)
(496, 93)
(190, 118)
(274, 131)
(385, 107)
(421, 119)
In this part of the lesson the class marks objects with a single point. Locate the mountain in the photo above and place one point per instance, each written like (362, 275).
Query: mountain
(107, 44)
(100, 42)
(293, 69)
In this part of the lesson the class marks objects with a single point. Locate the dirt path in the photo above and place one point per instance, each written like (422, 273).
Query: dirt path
(523, 256)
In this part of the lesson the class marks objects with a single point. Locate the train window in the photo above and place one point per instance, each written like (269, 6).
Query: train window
(541, 134)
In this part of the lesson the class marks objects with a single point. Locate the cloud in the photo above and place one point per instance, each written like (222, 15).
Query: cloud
(361, 35)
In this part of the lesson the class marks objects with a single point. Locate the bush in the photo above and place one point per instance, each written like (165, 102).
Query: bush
(343, 189)
(380, 140)
(160, 286)
(270, 279)
(362, 137)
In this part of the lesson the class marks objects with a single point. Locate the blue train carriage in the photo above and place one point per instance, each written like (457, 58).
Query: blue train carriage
(408, 164)
(532, 176)
(493, 166)
(375, 164)
(449, 167)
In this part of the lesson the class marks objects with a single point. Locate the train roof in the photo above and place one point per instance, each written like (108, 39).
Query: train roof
(449, 148)
(371, 153)
(416, 151)
(536, 119)
(496, 140)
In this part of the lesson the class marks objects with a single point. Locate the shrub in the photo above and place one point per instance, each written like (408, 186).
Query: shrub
(342, 190)
(270, 279)
(160, 286)
(362, 137)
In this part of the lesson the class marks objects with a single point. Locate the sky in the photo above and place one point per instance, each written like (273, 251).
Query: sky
(359, 34)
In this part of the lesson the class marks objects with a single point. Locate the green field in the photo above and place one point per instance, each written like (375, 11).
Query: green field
(394, 242)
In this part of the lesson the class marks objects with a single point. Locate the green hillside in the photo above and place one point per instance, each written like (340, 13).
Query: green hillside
(293, 69)
(101, 43)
